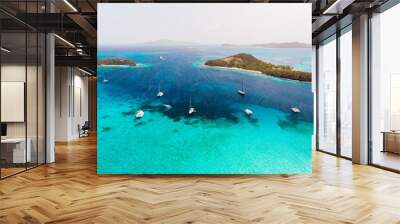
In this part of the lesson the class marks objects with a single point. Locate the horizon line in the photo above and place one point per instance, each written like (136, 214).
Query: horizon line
(196, 43)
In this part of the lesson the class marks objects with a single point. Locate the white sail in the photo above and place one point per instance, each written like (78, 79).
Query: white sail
(241, 91)
(159, 93)
(192, 110)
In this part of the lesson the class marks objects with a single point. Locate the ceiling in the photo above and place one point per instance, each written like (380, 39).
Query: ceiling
(75, 21)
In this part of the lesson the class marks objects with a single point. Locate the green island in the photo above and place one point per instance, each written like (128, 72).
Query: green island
(251, 63)
(115, 62)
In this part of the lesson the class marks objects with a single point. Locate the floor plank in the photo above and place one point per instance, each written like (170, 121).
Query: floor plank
(70, 191)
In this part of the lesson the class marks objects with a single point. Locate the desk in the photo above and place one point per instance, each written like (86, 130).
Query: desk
(391, 141)
(19, 155)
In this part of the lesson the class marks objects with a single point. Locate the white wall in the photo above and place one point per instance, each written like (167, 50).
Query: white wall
(13, 100)
(33, 127)
(14, 72)
(80, 105)
(17, 72)
(62, 82)
(71, 102)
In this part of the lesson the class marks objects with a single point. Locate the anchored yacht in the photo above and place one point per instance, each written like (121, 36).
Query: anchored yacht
(295, 110)
(192, 110)
(139, 114)
(167, 106)
(159, 93)
(248, 112)
(241, 91)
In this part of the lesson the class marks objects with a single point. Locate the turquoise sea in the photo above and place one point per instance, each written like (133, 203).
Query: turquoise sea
(219, 138)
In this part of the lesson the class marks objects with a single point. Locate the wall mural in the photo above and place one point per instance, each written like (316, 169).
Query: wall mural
(204, 89)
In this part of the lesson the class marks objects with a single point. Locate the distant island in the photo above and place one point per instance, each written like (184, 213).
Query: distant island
(251, 63)
(169, 43)
(272, 45)
(115, 62)
(165, 43)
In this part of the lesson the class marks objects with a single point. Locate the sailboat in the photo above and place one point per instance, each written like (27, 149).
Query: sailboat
(192, 110)
(241, 91)
(162, 58)
(105, 80)
(167, 106)
(248, 112)
(139, 114)
(159, 93)
(295, 110)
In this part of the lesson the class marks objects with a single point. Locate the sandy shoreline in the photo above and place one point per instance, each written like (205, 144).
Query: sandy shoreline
(115, 66)
(138, 65)
(254, 72)
(234, 68)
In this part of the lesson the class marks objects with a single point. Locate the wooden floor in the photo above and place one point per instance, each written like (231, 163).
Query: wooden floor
(70, 191)
(5, 172)
(387, 159)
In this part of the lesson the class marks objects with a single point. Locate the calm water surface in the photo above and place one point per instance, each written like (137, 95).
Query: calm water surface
(219, 138)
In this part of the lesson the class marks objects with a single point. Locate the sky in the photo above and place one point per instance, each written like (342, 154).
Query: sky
(212, 23)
